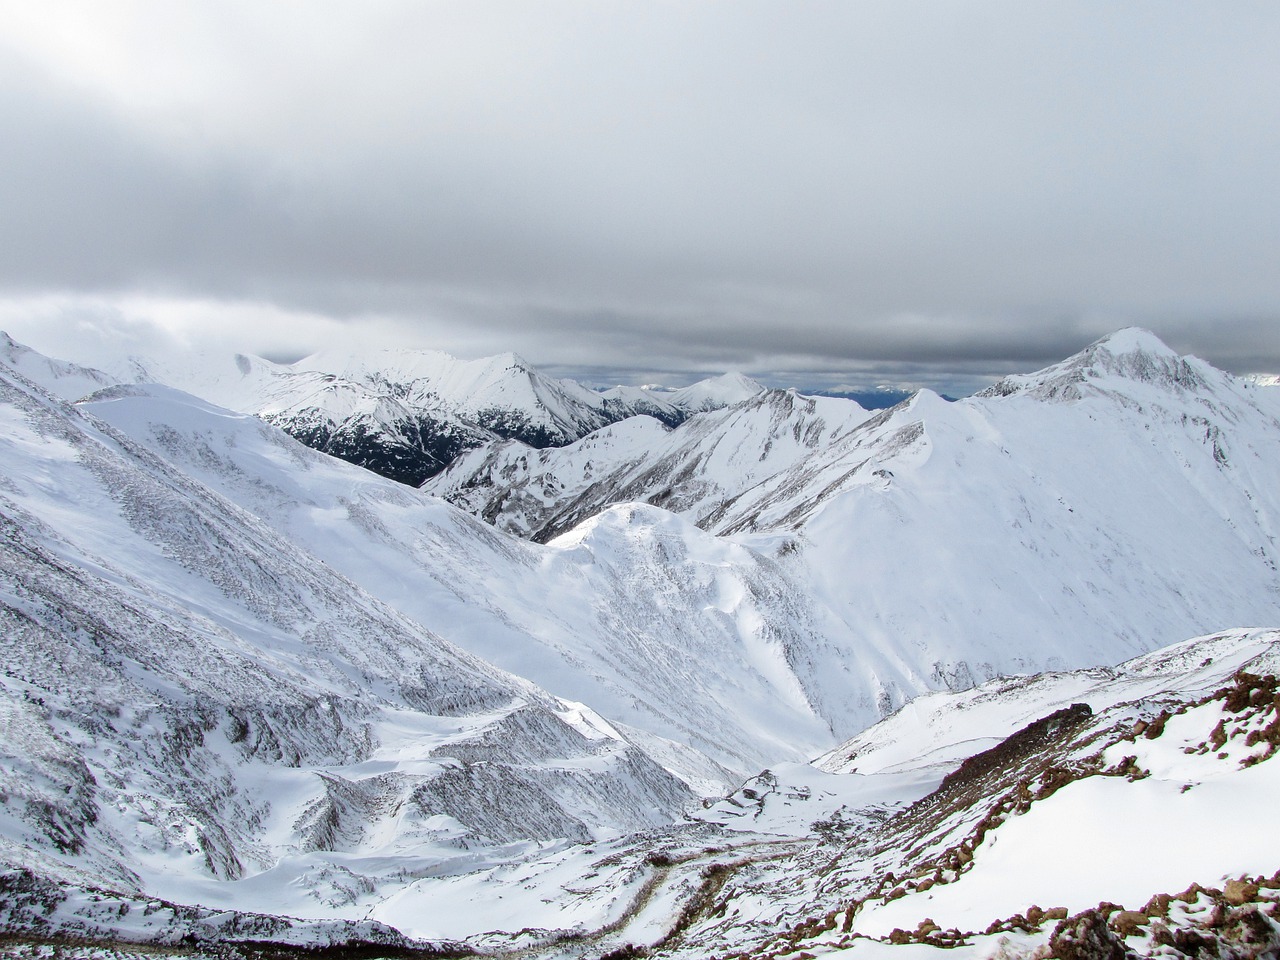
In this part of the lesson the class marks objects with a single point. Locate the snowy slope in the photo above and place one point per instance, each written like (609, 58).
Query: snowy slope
(1092, 511)
(928, 548)
(1140, 823)
(641, 615)
(691, 471)
(232, 679)
(646, 401)
(517, 488)
(1118, 787)
(70, 381)
(502, 394)
(716, 393)
(671, 405)
(195, 707)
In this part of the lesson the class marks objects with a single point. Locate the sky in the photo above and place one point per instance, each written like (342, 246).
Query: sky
(823, 195)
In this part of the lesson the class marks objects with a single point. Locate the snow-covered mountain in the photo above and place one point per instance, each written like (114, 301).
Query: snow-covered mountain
(673, 404)
(1063, 518)
(645, 402)
(245, 675)
(716, 393)
(405, 414)
(1046, 516)
(69, 381)
(196, 707)
(1127, 814)
(691, 470)
(888, 557)
(696, 644)
(1100, 813)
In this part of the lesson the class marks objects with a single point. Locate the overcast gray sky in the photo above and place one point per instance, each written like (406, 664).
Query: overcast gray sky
(817, 193)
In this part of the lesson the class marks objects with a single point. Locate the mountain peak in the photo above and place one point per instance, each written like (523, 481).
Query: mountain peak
(510, 360)
(1128, 355)
(716, 392)
(1132, 340)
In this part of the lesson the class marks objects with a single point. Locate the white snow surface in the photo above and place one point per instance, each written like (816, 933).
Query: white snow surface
(243, 674)
(716, 393)
(1198, 810)
(677, 634)
(691, 470)
(1077, 516)
(195, 706)
(1107, 838)
(70, 381)
(405, 413)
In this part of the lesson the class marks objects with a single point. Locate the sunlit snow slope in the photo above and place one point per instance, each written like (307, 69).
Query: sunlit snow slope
(690, 641)
(241, 673)
(195, 706)
(1078, 515)
(1072, 517)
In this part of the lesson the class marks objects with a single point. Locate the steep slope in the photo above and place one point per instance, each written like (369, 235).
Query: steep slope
(194, 707)
(502, 394)
(691, 471)
(1097, 509)
(1102, 813)
(1075, 516)
(652, 402)
(931, 547)
(698, 646)
(672, 405)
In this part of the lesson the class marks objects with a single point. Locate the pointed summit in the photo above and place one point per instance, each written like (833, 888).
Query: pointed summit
(1129, 355)
(1130, 340)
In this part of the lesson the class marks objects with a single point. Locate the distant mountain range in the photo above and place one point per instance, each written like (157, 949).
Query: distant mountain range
(405, 414)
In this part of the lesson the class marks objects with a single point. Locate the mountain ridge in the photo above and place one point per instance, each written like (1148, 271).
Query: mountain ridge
(405, 414)
(239, 672)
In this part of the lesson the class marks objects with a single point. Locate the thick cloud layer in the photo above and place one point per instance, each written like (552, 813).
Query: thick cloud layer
(810, 190)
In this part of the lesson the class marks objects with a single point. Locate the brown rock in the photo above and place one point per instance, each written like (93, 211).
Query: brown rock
(1158, 906)
(1128, 923)
(1218, 736)
(1190, 894)
(1238, 892)
(1086, 936)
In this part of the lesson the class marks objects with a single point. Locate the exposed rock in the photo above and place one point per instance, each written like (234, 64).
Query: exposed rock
(1086, 936)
